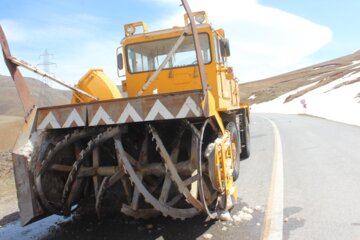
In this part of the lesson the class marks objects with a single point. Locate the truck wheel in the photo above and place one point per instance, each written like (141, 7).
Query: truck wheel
(245, 138)
(235, 139)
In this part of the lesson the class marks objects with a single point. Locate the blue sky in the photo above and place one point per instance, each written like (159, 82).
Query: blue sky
(342, 17)
(267, 37)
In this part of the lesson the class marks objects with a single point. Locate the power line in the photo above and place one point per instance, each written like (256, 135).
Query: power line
(45, 65)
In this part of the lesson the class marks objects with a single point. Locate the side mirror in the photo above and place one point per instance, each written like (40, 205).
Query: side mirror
(224, 47)
(120, 61)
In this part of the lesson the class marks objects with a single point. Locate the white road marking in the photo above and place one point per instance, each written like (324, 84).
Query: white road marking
(274, 215)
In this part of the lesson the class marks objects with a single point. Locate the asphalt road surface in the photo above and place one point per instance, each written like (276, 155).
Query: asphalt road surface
(302, 181)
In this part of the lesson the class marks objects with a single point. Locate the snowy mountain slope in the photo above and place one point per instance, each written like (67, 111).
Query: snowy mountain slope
(319, 74)
(334, 95)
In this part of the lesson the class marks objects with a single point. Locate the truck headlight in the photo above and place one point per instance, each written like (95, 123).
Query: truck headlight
(130, 29)
(200, 18)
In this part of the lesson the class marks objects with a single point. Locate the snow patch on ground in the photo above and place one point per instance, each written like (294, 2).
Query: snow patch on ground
(207, 236)
(244, 215)
(340, 104)
(252, 97)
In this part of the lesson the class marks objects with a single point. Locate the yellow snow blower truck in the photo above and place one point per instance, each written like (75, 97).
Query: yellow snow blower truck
(171, 147)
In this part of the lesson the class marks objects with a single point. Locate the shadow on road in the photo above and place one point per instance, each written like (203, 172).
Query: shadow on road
(116, 227)
(292, 223)
(9, 218)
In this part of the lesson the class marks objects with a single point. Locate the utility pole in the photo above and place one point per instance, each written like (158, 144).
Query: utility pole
(46, 64)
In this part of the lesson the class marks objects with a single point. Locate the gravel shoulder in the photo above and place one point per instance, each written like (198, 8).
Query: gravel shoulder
(9, 129)
(8, 201)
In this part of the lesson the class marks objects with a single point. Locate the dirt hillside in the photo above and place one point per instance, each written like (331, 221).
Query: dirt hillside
(42, 93)
(9, 130)
(319, 74)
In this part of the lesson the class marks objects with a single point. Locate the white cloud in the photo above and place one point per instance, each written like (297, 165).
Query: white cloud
(264, 41)
(75, 42)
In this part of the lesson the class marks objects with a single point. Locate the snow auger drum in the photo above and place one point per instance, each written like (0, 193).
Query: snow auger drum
(171, 167)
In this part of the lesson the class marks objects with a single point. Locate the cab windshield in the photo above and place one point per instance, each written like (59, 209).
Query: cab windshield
(148, 56)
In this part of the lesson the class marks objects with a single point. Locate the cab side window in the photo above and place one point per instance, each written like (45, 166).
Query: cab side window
(216, 46)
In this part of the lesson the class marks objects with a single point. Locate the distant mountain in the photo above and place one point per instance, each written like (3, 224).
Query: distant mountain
(329, 90)
(319, 74)
(43, 95)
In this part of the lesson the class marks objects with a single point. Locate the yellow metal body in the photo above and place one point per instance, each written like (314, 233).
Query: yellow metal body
(96, 83)
(222, 84)
(222, 94)
(202, 13)
(224, 91)
(224, 164)
(133, 26)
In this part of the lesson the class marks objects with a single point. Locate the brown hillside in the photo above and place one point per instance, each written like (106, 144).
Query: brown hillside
(319, 74)
(41, 93)
(9, 130)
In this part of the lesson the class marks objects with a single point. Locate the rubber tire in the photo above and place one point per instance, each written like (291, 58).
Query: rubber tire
(234, 134)
(245, 139)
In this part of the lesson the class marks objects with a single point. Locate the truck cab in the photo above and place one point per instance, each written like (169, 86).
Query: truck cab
(143, 52)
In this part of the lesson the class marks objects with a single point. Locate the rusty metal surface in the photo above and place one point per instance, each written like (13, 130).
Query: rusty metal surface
(156, 169)
(119, 111)
(98, 139)
(21, 86)
(30, 209)
(173, 172)
(65, 117)
(165, 209)
(199, 57)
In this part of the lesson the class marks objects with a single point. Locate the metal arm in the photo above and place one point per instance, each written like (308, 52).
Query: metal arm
(20, 84)
(199, 56)
(200, 60)
(36, 70)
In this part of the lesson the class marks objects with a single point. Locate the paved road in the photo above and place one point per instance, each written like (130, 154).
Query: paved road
(319, 169)
(321, 178)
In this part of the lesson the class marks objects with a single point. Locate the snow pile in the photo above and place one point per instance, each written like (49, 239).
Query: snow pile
(339, 104)
(207, 236)
(244, 215)
(252, 97)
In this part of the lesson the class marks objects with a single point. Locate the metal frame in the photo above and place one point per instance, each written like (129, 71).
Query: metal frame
(20, 84)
